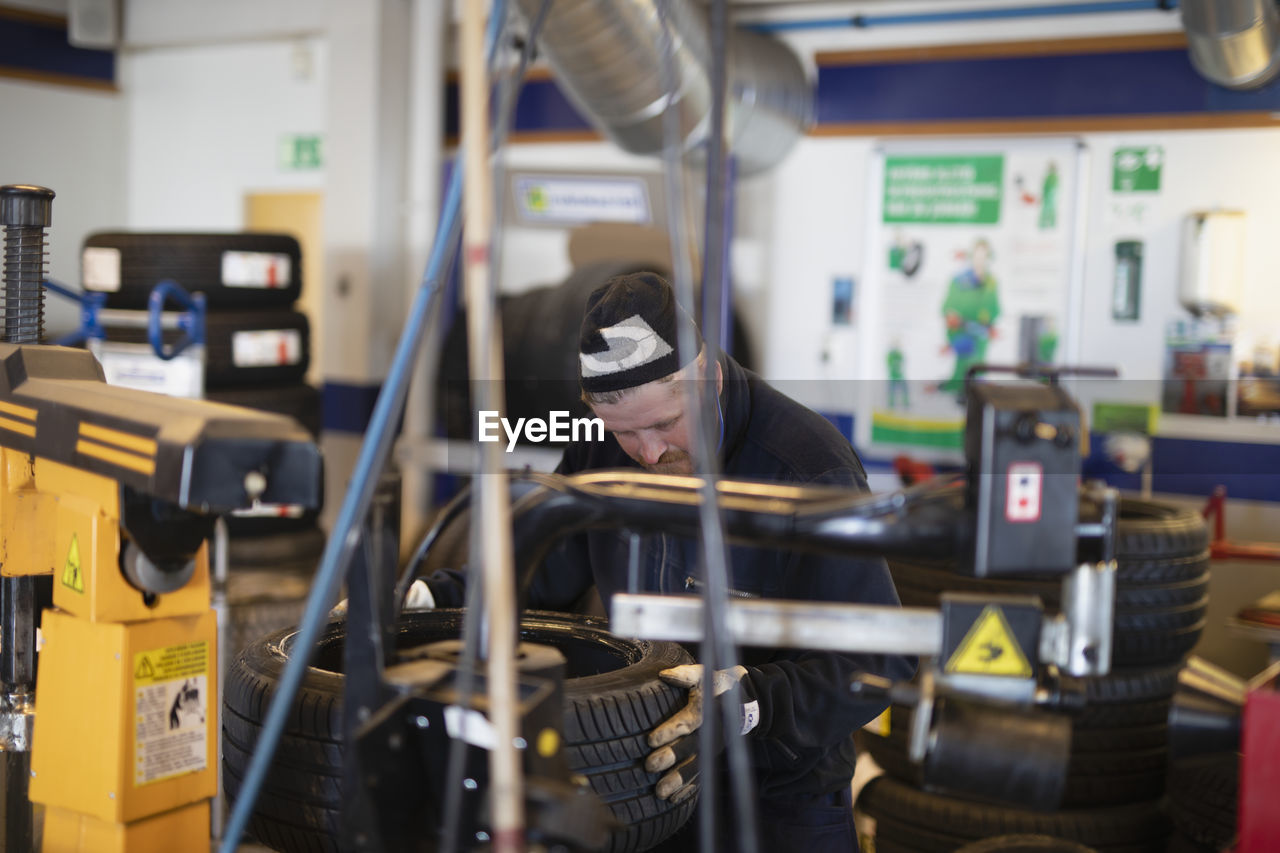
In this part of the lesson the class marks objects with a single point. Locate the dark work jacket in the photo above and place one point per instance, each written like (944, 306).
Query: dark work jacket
(802, 744)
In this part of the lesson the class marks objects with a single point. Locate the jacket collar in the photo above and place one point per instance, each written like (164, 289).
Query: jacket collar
(735, 408)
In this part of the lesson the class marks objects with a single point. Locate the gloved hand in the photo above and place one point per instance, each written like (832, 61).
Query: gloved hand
(675, 741)
(419, 597)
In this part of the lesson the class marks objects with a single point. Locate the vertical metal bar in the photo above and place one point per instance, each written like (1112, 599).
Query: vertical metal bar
(16, 821)
(222, 613)
(25, 211)
(713, 652)
(633, 563)
(485, 338)
(17, 672)
(1110, 517)
(718, 651)
(17, 632)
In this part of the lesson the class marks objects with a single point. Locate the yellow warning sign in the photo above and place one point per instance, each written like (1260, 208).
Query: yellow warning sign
(145, 671)
(989, 648)
(171, 662)
(172, 712)
(72, 575)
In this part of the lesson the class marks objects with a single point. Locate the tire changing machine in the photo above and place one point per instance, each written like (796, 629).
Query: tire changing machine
(114, 492)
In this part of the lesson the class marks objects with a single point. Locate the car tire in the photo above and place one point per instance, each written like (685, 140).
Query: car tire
(607, 715)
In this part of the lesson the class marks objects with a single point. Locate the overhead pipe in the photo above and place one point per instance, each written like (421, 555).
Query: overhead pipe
(607, 57)
(1234, 43)
(954, 16)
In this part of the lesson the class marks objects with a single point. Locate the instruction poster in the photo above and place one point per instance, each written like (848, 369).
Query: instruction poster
(171, 697)
(969, 263)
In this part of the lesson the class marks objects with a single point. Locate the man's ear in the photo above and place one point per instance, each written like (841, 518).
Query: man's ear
(719, 378)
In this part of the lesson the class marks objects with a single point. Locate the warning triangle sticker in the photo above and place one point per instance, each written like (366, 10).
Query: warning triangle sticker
(72, 575)
(144, 670)
(989, 648)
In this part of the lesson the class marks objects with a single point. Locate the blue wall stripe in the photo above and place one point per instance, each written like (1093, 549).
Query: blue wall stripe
(541, 107)
(1151, 82)
(42, 47)
(1139, 82)
(1186, 466)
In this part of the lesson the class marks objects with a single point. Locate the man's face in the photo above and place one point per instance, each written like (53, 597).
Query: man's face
(650, 426)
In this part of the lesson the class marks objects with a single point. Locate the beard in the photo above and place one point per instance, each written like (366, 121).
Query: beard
(671, 462)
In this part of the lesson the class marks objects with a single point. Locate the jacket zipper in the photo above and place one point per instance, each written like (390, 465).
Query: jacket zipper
(662, 565)
(691, 584)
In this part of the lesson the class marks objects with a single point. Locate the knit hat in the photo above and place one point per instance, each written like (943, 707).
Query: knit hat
(629, 333)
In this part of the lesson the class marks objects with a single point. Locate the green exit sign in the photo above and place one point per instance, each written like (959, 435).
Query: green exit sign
(300, 151)
(1136, 170)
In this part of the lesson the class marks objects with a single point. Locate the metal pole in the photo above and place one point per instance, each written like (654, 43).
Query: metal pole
(718, 645)
(218, 550)
(431, 19)
(25, 211)
(484, 333)
(17, 672)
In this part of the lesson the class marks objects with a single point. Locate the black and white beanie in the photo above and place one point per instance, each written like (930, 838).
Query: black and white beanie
(629, 334)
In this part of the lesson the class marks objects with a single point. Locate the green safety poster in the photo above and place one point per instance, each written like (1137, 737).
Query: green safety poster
(957, 189)
(970, 262)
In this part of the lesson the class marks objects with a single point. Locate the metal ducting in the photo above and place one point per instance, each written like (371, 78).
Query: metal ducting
(1234, 43)
(607, 56)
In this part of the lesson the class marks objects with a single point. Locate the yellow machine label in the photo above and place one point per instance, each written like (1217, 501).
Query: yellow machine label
(171, 692)
(989, 648)
(72, 575)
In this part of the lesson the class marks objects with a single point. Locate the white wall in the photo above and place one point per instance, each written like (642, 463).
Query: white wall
(819, 218)
(205, 124)
(1203, 169)
(148, 23)
(72, 141)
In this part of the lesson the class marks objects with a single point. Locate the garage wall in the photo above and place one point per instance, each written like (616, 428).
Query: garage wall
(205, 126)
(71, 140)
(1228, 169)
(819, 221)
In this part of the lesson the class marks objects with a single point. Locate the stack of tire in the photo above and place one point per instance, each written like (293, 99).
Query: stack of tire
(613, 697)
(1202, 802)
(1119, 752)
(257, 351)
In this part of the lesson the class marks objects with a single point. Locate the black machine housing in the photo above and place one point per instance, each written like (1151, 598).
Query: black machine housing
(1022, 445)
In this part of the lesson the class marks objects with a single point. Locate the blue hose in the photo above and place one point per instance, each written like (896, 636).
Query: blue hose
(356, 502)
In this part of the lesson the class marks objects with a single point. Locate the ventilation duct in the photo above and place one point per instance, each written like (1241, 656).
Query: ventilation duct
(1234, 43)
(608, 57)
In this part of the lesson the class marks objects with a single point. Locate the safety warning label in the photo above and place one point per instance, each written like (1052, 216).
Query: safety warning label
(171, 691)
(72, 573)
(990, 648)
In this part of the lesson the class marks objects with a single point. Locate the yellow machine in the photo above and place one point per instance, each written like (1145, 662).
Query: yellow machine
(114, 492)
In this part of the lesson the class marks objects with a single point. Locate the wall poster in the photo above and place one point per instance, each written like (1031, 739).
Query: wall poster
(969, 260)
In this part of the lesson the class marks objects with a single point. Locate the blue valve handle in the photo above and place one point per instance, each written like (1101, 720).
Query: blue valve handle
(90, 304)
(191, 322)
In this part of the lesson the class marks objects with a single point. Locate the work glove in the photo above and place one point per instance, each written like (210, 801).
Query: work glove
(419, 597)
(675, 741)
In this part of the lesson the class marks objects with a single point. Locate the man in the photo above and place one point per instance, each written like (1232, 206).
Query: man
(796, 704)
(969, 312)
